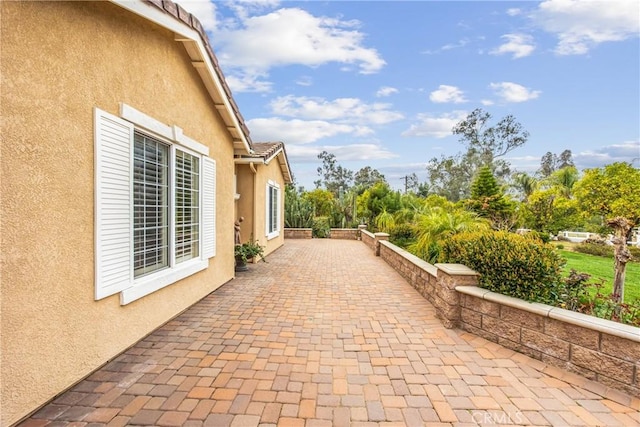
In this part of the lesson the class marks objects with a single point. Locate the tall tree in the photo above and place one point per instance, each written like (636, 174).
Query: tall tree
(565, 159)
(613, 192)
(486, 146)
(332, 175)
(366, 177)
(488, 199)
(411, 183)
(549, 162)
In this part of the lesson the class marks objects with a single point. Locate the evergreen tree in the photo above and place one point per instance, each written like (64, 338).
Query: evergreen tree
(488, 199)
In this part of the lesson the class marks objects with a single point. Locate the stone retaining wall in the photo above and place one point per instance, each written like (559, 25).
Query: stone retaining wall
(598, 349)
(336, 233)
(368, 238)
(297, 233)
(345, 233)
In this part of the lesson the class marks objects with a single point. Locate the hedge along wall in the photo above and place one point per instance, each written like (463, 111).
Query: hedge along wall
(598, 349)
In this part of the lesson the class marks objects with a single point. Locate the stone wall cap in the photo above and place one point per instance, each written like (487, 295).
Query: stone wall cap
(473, 291)
(381, 234)
(418, 262)
(592, 322)
(586, 321)
(456, 269)
(531, 307)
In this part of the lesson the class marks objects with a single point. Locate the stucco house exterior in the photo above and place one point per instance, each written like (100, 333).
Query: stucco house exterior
(125, 162)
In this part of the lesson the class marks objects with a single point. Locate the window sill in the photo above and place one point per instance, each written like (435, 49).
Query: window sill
(149, 284)
(273, 235)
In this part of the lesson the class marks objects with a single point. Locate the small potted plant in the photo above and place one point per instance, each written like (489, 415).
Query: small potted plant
(247, 251)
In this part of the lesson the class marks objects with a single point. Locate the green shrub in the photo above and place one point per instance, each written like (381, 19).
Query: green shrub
(402, 235)
(542, 236)
(508, 263)
(560, 246)
(594, 249)
(321, 227)
(635, 253)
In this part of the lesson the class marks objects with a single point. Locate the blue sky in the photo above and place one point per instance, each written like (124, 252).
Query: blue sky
(381, 83)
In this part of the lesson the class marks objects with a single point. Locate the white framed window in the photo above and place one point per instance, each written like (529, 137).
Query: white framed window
(272, 208)
(155, 205)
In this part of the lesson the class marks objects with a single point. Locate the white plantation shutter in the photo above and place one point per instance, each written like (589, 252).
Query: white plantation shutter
(113, 205)
(208, 207)
(267, 210)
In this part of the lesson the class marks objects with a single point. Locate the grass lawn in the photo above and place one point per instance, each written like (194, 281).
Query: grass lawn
(601, 267)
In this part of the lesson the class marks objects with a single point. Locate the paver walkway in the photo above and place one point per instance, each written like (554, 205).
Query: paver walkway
(326, 334)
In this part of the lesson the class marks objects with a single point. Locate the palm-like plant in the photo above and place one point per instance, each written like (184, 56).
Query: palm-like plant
(527, 184)
(438, 224)
(385, 221)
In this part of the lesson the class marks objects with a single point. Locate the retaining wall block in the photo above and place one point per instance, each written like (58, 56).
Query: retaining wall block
(587, 338)
(545, 344)
(511, 345)
(500, 328)
(602, 364)
(522, 318)
(620, 347)
(633, 391)
(572, 367)
(479, 332)
(471, 317)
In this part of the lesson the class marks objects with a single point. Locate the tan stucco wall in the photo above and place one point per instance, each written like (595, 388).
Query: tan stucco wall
(244, 205)
(265, 173)
(58, 61)
(252, 202)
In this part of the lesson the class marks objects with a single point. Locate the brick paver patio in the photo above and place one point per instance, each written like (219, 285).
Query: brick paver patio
(326, 334)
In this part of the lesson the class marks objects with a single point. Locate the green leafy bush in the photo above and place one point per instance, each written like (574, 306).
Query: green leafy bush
(560, 246)
(606, 307)
(321, 227)
(402, 235)
(508, 263)
(594, 249)
(542, 236)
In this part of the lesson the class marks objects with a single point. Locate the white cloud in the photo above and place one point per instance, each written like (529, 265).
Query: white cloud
(529, 164)
(450, 46)
(240, 82)
(304, 81)
(346, 110)
(520, 45)
(306, 153)
(624, 152)
(435, 126)
(289, 36)
(296, 131)
(487, 102)
(513, 92)
(514, 11)
(446, 93)
(204, 10)
(581, 25)
(386, 91)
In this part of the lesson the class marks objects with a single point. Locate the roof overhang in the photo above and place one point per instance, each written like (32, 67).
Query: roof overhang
(279, 154)
(172, 17)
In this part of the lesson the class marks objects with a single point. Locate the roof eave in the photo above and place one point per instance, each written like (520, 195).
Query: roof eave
(189, 32)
